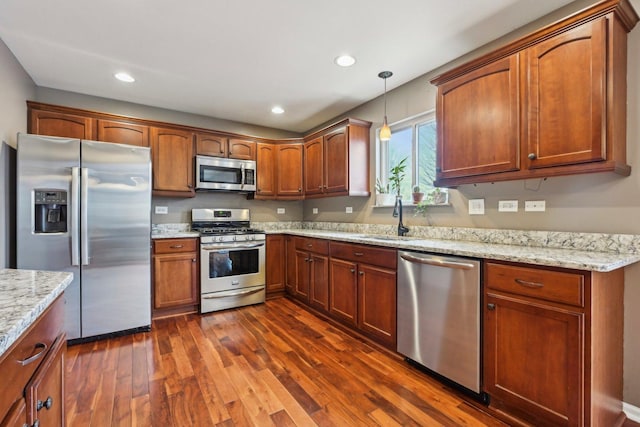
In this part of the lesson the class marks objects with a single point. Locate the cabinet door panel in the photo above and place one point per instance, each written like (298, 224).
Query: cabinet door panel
(377, 305)
(266, 165)
(476, 140)
(242, 149)
(566, 97)
(17, 415)
(291, 275)
(319, 277)
(533, 359)
(60, 124)
(175, 280)
(211, 145)
(123, 133)
(172, 152)
(343, 289)
(302, 276)
(275, 265)
(336, 166)
(45, 391)
(313, 167)
(289, 171)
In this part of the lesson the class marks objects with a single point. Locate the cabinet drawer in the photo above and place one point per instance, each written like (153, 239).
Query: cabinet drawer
(312, 245)
(15, 367)
(171, 246)
(549, 285)
(365, 254)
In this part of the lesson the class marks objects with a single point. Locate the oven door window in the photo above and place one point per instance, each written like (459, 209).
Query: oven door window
(233, 263)
(220, 174)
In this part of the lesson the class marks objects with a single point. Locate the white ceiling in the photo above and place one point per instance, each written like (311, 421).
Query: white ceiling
(235, 59)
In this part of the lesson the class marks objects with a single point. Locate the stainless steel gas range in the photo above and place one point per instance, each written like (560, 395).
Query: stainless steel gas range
(232, 259)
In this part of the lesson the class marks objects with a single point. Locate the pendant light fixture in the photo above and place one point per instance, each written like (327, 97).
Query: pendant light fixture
(385, 130)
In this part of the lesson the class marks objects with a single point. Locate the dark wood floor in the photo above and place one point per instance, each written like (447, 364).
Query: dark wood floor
(273, 364)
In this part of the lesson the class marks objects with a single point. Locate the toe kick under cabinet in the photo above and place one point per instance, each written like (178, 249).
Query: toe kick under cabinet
(553, 344)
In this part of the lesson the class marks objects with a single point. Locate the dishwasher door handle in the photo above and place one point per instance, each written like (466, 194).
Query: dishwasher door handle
(437, 262)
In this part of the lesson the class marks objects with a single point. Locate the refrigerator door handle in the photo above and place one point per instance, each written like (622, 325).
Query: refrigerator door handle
(75, 210)
(84, 216)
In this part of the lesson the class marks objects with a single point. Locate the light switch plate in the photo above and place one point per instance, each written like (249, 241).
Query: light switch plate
(476, 207)
(535, 206)
(315, 210)
(162, 210)
(348, 209)
(508, 206)
(280, 211)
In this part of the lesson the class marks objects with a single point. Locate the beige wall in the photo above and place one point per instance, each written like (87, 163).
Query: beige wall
(16, 86)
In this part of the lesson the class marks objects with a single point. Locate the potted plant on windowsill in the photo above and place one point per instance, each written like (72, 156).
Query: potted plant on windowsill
(383, 197)
(397, 175)
(417, 195)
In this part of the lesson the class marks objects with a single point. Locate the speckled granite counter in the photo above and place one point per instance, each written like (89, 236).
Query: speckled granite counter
(174, 234)
(24, 295)
(537, 255)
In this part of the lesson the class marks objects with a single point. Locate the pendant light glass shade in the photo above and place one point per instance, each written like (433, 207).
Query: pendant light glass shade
(385, 130)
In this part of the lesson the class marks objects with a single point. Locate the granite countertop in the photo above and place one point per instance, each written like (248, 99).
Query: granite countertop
(24, 296)
(174, 234)
(555, 257)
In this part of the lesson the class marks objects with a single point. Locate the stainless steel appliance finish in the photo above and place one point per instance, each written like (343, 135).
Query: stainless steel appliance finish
(219, 173)
(439, 315)
(107, 242)
(232, 259)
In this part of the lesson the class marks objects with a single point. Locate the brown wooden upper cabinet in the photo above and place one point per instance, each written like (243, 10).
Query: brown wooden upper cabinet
(123, 133)
(551, 103)
(172, 152)
(279, 174)
(53, 123)
(217, 145)
(336, 160)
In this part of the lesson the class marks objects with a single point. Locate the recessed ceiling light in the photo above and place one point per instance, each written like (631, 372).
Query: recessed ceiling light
(277, 110)
(345, 60)
(124, 77)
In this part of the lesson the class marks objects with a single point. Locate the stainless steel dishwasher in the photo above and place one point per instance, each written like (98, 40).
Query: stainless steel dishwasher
(439, 315)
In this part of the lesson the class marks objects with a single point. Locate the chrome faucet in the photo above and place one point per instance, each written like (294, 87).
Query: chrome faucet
(397, 212)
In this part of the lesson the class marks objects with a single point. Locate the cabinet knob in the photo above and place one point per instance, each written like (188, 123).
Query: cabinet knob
(194, 259)
(36, 423)
(532, 156)
(491, 307)
(353, 270)
(361, 273)
(46, 404)
(299, 190)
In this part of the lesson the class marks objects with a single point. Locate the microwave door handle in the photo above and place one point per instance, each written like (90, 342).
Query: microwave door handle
(242, 178)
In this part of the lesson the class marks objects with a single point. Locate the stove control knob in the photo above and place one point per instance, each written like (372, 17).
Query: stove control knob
(219, 238)
(234, 238)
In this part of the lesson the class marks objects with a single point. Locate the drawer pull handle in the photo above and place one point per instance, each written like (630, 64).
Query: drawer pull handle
(358, 254)
(38, 355)
(176, 246)
(527, 284)
(47, 404)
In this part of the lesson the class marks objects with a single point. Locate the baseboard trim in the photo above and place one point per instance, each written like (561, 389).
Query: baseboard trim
(632, 412)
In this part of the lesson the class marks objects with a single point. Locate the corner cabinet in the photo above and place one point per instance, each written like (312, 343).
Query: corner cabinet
(336, 160)
(175, 276)
(553, 344)
(551, 103)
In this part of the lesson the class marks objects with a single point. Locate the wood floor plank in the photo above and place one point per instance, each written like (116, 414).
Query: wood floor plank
(273, 364)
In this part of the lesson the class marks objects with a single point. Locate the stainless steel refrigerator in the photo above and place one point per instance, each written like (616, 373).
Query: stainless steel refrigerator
(85, 207)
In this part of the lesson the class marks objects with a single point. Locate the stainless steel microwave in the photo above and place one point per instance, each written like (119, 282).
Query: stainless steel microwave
(219, 173)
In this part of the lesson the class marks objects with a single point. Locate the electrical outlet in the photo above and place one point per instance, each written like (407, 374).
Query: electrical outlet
(280, 211)
(348, 209)
(476, 207)
(315, 210)
(535, 206)
(508, 206)
(162, 210)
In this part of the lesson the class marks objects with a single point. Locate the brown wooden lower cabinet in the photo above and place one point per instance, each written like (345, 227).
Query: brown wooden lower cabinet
(32, 391)
(276, 264)
(175, 276)
(310, 259)
(553, 344)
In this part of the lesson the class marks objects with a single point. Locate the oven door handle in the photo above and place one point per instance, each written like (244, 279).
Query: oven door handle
(227, 247)
(235, 294)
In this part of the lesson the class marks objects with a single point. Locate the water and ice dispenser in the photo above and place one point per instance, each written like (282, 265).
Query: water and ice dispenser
(50, 211)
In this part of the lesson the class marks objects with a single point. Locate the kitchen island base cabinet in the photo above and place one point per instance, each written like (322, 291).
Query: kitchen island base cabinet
(175, 277)
(553, 344)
